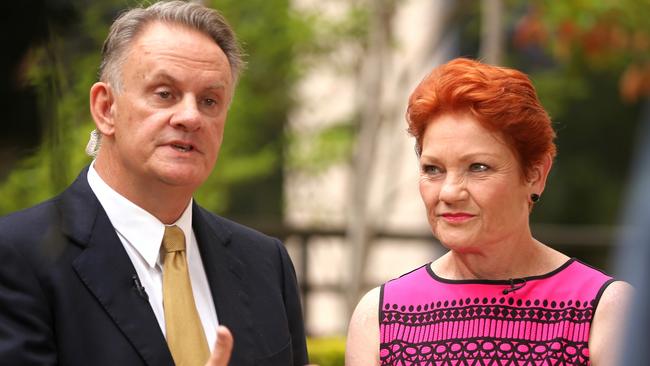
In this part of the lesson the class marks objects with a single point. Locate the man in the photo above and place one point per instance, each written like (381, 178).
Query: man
(123, 268)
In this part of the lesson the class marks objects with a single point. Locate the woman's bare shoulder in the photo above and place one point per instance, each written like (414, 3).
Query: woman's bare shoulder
(608, 322)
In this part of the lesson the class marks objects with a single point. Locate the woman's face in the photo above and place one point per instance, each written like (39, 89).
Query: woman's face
(472, 185)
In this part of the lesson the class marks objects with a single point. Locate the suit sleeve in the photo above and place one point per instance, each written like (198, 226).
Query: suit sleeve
(26, 335)
(293, 308)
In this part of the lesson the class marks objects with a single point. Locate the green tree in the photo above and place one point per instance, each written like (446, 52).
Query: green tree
(590, 62)
(247, 181)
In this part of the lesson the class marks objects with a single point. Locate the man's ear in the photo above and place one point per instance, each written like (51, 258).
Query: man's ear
(539, 173)
(102, 100)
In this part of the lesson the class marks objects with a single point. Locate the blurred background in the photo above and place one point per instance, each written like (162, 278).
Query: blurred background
(316, 151)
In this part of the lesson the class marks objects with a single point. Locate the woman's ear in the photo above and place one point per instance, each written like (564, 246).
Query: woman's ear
(101, 107)
(539, 173)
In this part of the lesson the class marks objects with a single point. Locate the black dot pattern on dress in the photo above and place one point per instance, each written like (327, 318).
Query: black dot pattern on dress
(487, 310)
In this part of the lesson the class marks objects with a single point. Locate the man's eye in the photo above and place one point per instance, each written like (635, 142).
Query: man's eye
(164, 94)
(209, 102)
(478, 167)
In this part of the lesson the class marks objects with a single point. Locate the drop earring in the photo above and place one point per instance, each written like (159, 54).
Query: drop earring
(534, 197)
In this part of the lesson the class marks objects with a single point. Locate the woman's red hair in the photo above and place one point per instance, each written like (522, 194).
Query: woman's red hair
(501, 99)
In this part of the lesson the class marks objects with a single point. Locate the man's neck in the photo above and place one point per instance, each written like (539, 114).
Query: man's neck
(164, 202)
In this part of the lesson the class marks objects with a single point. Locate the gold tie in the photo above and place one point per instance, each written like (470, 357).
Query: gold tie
(185, 336)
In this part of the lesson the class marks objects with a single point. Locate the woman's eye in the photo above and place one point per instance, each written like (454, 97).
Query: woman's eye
(478, 167)
(430, 169)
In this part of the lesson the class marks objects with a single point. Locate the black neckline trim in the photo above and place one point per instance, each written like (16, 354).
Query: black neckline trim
(498, 282)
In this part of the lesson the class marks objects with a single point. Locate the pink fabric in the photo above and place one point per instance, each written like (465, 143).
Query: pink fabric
(544, 320)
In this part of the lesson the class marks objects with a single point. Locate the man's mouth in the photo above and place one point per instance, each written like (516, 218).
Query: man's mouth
(182, 147)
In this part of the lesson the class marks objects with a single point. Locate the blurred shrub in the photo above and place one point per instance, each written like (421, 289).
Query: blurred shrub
(326, 351)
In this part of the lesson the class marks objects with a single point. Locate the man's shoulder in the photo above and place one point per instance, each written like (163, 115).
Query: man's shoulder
(234, 229)
(26, 231)
(31, 218)
(48, 212)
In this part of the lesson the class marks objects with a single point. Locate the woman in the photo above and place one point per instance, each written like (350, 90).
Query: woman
(498, 296)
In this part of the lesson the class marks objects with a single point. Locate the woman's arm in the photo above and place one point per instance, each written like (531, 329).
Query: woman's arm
(607, 326)
(362, 348)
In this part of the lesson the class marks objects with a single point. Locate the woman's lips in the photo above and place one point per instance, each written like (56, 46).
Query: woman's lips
(457, 217)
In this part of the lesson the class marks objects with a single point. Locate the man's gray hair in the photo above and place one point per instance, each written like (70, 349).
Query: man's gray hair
(195, 16)
(130, 24)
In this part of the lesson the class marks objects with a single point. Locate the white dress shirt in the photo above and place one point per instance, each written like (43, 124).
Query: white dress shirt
(141, 235)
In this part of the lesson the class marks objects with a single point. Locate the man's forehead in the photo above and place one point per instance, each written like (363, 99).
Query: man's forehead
(165, 30)
(168, 45)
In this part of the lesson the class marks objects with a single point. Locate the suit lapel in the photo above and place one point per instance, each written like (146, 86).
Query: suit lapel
(228, 284)
(106, 270)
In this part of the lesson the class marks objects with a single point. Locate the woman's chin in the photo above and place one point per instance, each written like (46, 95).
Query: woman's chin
(458, 243)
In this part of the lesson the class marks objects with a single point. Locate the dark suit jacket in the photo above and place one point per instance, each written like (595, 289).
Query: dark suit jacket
(67, 295)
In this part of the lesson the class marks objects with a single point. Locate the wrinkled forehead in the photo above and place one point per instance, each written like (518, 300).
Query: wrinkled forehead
(454, 122)
(162, 48)
(159, 35)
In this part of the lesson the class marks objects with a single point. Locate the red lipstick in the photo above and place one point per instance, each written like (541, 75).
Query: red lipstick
(456, 217)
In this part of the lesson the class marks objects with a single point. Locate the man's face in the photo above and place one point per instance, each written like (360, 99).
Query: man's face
(170, 111)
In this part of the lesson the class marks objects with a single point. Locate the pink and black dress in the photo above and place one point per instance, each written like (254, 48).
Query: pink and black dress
(539, 320)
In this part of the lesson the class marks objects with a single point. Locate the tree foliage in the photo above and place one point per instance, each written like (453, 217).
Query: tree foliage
(247, 180)
(588, 61)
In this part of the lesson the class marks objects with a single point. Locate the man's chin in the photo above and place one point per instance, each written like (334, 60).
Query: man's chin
(183, 179)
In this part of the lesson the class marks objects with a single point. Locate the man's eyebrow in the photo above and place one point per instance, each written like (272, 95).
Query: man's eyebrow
(163, 76)
(218, 85)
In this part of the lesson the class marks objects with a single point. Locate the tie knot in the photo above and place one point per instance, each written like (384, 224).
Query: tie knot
(173, 240)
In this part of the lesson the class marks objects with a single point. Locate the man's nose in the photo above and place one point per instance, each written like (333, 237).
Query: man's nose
(187, 115)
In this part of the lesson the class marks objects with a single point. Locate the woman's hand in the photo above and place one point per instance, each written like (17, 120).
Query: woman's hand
(222, 348)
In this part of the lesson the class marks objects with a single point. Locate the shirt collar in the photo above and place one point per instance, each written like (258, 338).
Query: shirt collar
(142, 230)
